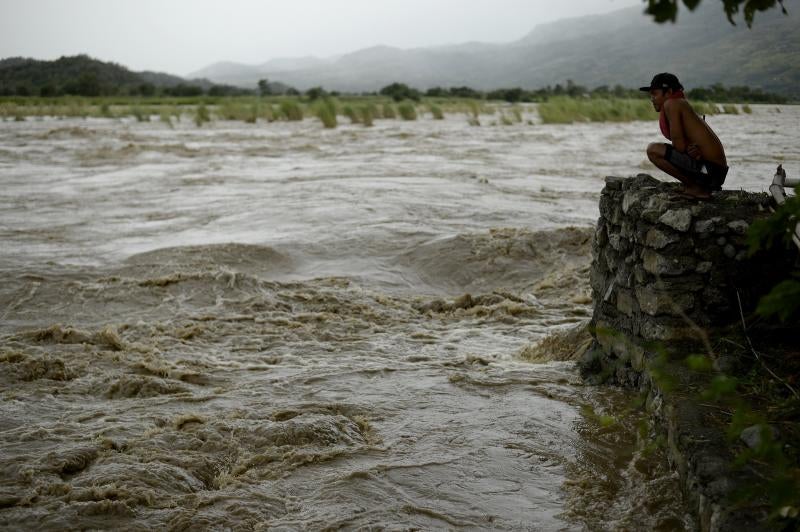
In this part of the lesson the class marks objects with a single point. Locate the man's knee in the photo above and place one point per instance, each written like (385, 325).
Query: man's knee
(656, 150)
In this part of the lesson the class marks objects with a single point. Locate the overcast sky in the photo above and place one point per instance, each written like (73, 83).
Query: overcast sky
(180, 36)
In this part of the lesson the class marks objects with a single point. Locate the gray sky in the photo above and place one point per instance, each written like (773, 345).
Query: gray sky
(180, 36)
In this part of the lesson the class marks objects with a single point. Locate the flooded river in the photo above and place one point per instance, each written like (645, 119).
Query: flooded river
(277, 326)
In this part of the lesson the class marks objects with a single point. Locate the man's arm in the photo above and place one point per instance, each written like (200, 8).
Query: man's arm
(675, 118)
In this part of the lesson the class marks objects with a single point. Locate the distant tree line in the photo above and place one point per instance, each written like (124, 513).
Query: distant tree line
(83, 76)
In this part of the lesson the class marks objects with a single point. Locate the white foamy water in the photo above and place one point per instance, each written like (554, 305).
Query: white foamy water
(265, 326)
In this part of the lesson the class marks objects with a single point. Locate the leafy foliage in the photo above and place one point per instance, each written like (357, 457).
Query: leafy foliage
(400, 91)
(667, 10)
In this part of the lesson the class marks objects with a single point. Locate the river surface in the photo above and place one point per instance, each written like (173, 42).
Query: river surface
(277, 326)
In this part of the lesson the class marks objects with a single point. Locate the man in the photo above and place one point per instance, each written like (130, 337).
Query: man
(695, 157)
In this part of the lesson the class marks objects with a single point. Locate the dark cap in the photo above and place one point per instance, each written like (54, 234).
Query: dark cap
(663, 81)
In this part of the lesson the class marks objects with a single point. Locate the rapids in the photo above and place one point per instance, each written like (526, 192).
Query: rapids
(277, 326)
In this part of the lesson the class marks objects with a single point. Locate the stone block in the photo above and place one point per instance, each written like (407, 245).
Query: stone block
(677, 219)
(658, 239)
(739, 227)
(601, 236)
(729, 251)
(640, 275)
(614, 182)
(625, 302)
(703, 267)
(663, 330)
(654, 301)
(630, 199)
(658, 264)
(707, 226)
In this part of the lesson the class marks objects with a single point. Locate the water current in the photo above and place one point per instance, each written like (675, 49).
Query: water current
(277, 326)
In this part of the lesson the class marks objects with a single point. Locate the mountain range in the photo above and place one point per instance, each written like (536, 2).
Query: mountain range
(624, 47)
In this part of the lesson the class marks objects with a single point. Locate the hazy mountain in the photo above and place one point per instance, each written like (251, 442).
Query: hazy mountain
(624, 47)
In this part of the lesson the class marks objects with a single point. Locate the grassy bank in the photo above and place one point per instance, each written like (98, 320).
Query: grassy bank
(363, 110)
(565, 110)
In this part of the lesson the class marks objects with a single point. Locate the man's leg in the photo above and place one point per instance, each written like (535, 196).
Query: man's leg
(657, 153)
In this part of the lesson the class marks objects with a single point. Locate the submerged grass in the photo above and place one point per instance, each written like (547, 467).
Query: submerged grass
(563, 110)
(325, 110)
(407, 111)
(291, 110)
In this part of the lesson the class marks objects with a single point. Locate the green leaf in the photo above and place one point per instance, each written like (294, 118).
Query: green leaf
(782, 301)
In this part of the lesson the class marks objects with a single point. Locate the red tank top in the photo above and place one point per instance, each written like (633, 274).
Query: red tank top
(662, 117)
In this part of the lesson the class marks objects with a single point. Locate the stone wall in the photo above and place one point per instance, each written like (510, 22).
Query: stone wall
(666, 270)
(669, 275)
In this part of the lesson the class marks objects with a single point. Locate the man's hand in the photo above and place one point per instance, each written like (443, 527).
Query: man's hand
(693, 151)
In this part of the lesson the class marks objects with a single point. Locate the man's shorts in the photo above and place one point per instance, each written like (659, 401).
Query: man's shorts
(708, 175)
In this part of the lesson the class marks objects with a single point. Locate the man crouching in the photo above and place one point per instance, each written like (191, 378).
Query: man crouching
(695, 157)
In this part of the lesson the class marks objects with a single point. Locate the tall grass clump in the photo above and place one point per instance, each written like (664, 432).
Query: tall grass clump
(326, 112)
(705, 108)
(201, 115)
(291, 111)
(730, 109)
(166, 117)
(436, 111)
(367, 114)
(388, 111)
(407, 111)
(140, 114)
(565, 110)
(746, 109)
(351, 113)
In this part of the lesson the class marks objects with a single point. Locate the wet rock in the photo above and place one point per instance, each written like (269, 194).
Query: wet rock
(658, 264)
(658, 239)
(679, 219)
(625, 302)
(703, 267)
(729, 251)
(614, 183)
(738, 226)
(653, 301)
(755, 435)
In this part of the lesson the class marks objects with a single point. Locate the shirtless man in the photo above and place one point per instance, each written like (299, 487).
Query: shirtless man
(695, 157)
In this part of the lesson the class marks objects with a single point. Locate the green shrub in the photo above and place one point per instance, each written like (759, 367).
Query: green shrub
(407, 111)
(291, 111)
(730, 109)
(367, 113)
(436, 111)
(140, 114)
(746, 109)
(350, 113)
(388, 111)
(326, 112)
(201, 115)
(164, 116)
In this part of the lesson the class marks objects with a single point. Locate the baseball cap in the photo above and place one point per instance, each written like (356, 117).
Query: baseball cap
(663, 81)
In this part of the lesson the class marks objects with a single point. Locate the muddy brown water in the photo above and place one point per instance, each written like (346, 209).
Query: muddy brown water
(265, 326)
